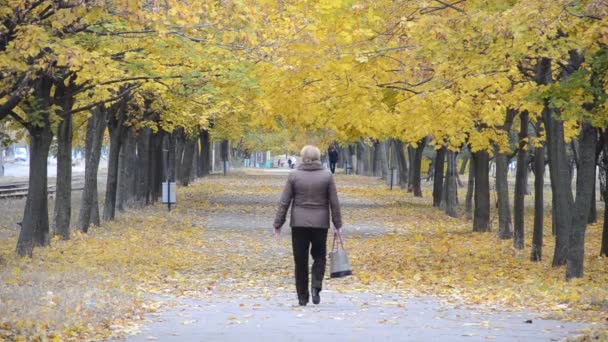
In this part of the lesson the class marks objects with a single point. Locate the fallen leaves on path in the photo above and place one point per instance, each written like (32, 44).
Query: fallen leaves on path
(102, 283)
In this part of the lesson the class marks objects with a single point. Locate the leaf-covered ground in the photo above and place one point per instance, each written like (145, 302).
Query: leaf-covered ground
(218, 241)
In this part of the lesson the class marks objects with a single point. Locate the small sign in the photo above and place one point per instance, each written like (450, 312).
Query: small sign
(169, 193)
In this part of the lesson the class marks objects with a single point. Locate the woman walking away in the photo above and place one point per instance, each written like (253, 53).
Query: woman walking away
(313, 192)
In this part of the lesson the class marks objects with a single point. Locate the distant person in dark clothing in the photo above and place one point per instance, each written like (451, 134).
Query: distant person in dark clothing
(332, 152)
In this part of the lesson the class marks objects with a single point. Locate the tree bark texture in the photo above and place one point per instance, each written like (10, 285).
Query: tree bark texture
(558, 170)
(116, 119)
(35, 224)
(584, 188)
(127, 170)
(502, 195)
(205, 157)
(481, 216)
(415, 167)
(186, 167)
(521, 180)
(142, 183)
(539, 185)
(89, 210)
(401, 163)
(438, 176)
(63, 188)
(470, 190)
(451, 188)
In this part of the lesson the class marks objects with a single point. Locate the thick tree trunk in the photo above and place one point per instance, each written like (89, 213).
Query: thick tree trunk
(481, 217)
(593, 207)
(415, 167)
(584, 187)
(383, 160)
(539, 185)
(451, 188)
(559, 171)
(63, 189)
(89, 210)
(401, 162)
(187, 162)
(521, 180)
(127, 171)
(205, 160)
(116, 129)
(156, 166)
(411, 156)
(224, 149)
(142, 184)
(179, 140)
(604, 164)
(502, 196)
(35, 224)
(438, 176)
(171, 158)
(470, 190)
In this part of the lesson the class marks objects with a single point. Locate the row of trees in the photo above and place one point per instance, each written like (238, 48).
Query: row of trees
(448, 74)
(456, 74)
(154, 77)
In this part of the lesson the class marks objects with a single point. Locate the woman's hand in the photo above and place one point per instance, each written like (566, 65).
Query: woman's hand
(277, 233)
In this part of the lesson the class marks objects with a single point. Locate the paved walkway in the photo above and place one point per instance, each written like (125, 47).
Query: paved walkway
(342, 316)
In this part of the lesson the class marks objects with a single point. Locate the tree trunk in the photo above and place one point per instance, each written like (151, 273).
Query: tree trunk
(604, 164)
(521, 180)
(187, 162)
(205, 160)
(593, 208)
(481, 217)
(463, 165)
(127, 170)
(179, 141)
(35, 224)
(438, 176)
(470, 190)
(402, 163)
(411, 156)
(539, 184)
(156, 166)
(415, 167)
(451, 188)
(89, 210)
(116, 119)
(382, 153)
(63, 188)
(584, 187)
(502, 195)
(224, 148)
(142, 184)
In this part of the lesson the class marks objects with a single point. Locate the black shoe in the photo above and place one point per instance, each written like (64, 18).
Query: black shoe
(316, 298)
(303, 301)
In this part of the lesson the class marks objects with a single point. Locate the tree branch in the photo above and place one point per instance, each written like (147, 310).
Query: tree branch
(112, 99)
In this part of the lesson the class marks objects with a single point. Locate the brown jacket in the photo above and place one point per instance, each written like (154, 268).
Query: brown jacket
(313, 192)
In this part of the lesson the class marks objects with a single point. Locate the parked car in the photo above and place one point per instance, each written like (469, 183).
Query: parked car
(21, 154)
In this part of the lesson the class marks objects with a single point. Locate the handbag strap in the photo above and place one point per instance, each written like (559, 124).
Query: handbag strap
(337, 237)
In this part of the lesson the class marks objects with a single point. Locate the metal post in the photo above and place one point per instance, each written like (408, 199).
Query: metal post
(167, 178)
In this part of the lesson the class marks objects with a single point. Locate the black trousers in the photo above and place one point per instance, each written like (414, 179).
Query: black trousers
(302, 240)
(332, 166)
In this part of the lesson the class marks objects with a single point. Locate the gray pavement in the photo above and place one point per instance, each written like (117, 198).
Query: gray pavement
(343, 317)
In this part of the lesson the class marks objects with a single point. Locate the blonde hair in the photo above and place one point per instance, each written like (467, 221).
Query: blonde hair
(310, 153)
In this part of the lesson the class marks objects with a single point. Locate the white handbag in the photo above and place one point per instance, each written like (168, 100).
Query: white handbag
(339, 266)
